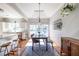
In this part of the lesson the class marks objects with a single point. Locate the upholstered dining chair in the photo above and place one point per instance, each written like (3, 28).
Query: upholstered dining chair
(34, 41)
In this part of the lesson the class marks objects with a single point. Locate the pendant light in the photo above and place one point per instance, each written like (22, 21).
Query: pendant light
(39, 21)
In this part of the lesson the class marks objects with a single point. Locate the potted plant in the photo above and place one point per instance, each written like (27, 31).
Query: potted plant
(67, 9)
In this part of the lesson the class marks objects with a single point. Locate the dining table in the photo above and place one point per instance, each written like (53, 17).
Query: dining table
(43, 38)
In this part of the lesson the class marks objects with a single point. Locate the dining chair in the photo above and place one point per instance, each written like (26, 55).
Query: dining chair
(13, 48)
(35, 41)
(4, 48)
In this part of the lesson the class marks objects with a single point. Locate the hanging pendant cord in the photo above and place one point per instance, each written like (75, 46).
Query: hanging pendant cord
(39, 12)
(39, 20)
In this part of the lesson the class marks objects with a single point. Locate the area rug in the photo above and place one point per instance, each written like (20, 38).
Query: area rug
(38, 51)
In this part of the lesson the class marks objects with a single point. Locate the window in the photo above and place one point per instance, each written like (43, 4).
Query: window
(11, 27)
(36, 29)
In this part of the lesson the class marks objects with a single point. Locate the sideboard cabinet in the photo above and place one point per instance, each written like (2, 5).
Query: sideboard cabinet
(69, 46)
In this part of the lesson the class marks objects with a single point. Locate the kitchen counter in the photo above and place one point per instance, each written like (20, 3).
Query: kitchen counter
(8, 38)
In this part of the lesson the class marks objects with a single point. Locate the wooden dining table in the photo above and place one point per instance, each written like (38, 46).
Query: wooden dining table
(44, 38)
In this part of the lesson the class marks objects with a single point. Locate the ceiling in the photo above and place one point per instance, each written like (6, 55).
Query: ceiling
(8, 12)
(29, 10)
(48, 9)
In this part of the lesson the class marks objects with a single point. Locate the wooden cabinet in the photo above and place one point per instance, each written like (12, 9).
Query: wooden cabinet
(65, 46)
(69, 46)
(74, 49)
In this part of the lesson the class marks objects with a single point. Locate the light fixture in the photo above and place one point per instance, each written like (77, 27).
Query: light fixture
(39, 22)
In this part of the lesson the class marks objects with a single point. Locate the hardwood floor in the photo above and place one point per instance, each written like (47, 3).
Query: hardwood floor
(25, 49)
(18, 51)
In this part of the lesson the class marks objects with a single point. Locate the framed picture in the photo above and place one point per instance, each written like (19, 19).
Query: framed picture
(58, 24)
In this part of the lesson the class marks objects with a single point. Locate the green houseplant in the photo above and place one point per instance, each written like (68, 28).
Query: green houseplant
(67, 9)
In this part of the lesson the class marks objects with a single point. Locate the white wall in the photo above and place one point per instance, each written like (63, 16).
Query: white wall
(55, 35)
(1, 26)
(36, 21)
(70, 23)
(70, 26)
(0, 29)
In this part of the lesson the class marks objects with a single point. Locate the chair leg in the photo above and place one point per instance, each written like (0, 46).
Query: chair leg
(7, 49)
(4, 52)
(0, 49)
(46, 45)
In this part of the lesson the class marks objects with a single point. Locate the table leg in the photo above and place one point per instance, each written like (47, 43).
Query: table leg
(32, 45)
(46, 45)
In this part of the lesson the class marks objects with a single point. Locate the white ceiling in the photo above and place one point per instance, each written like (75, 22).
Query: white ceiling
(27, 10)
(8, 11)
(48, 9)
